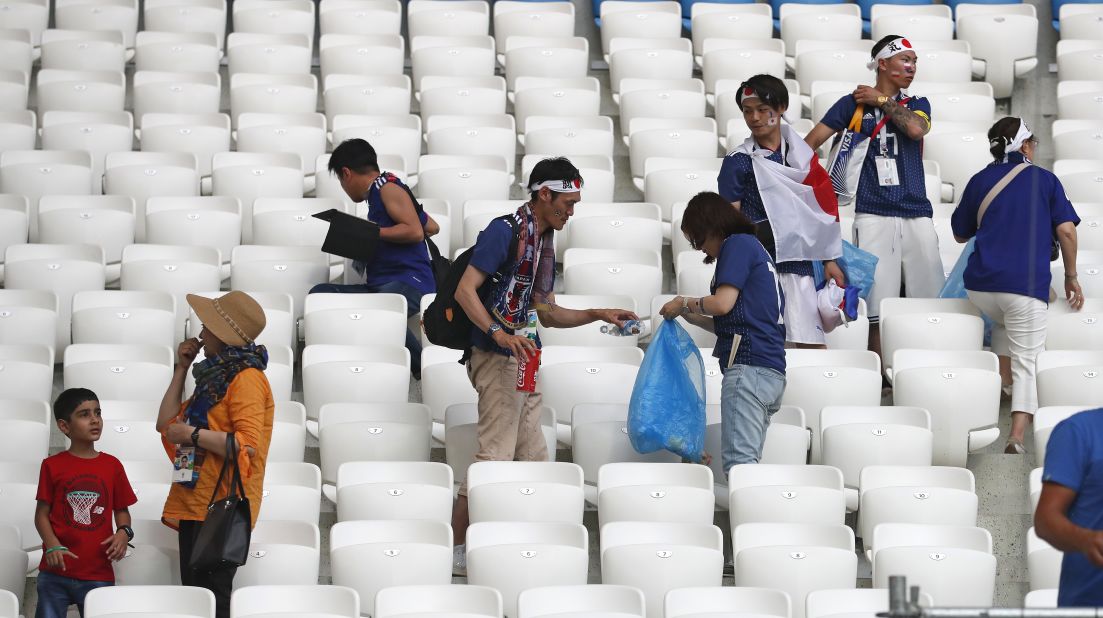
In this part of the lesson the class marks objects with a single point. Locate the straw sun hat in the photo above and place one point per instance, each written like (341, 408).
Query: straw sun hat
(235, 317)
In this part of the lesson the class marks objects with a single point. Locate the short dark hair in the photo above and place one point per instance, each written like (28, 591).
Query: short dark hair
(555, 168)
(69, 400)
(356, 154)
(770, 90)
(708, 214)
(1001, 135)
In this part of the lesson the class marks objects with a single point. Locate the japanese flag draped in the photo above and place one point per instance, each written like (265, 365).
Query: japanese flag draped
(800, 202)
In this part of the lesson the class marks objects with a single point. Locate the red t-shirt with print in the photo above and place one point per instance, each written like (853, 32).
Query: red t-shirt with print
(83, 495)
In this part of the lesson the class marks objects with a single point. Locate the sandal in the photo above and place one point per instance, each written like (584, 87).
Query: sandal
(1015, 447)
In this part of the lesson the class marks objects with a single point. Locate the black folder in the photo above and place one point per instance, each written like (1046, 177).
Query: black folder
(349, 236)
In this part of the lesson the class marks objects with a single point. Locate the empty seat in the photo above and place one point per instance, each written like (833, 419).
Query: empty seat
(741, 601)
(176, 92)
(366, 94)
(512, 557)
(438, 600)
(951, 563)
(396, 432)
(207, 16)
(603, 599)
(18, 129)
(142, 175)
(785, 494)
(259, 53)
(670, 492)
(284, 17)
(961, 390)
(176, 51)
(104, 220)
(61, 269)
(925, 323)
(28, 317)
(566, 384)
(119, 371)
(364, 374)
(195, 221)
(453, 56)
(283, 93)
(251, 175)
(34, 173)
(525, 491)
(84, 50)
(27, 371)
(794, 558)
(178, 270)
(202, 135)
(111, 15)
(1068, 377)
(117, 316)
(394, 490)
(156, 560)
(657, 557)
(292, 492)
(915, 494)
(96, 91)
(118, 601)
(329, 601)
(854, 437)
(25, 437)
(369, 556)
(303, 134)
(818, 378)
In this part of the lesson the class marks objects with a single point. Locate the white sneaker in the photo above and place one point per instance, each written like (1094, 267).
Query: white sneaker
(459, 560)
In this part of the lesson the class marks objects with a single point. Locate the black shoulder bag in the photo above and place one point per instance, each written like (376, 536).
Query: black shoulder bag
(223, 539)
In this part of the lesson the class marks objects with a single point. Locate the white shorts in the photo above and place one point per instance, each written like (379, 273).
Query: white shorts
(802, 316)
(907, 251)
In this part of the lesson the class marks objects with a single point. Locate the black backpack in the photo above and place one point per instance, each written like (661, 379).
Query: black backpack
(446, 324)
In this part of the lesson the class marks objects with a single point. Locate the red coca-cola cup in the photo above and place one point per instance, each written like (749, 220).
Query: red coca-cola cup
(527, 366)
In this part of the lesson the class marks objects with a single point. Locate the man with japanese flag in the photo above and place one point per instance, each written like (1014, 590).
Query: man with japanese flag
(775, 179)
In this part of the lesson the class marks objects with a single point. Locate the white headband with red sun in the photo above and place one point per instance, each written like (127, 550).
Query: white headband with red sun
(559, 186)
(895, 46)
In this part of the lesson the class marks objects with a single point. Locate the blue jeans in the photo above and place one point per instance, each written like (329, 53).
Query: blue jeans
(57, 592)
(413, 305)
(749, 396)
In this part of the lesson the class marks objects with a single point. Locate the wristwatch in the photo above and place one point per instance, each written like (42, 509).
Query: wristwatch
(129, 532)
(881, 100)
(195, 437)
(494, 327)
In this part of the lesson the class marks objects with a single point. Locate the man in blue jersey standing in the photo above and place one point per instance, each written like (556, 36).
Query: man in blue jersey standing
(401, 264)
(1070, 509)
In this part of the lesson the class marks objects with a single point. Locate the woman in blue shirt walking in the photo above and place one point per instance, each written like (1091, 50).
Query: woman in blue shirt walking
(1008, 276)
(746, 311)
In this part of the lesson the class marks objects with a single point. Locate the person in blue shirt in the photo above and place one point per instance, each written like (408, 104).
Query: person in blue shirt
(746, 311)
(509, 417)
(1007, 276)
(892, 213)
(764, 99)
(401, 264)
(1070, 510)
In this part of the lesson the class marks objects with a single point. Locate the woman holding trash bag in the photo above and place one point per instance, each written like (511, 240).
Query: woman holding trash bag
(1015, 210)
(232, 397)
(746, 311)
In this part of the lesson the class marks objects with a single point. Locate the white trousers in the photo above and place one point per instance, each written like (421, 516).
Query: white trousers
(907, 251)
(802, 315)
(1020, 332)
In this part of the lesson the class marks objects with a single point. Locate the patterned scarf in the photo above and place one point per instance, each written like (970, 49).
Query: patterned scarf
(212, 377)
(533, 273)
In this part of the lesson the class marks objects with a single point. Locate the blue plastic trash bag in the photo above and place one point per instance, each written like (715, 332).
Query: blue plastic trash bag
(955, 286)
(667, 410)
(858, 265)
(955, 281)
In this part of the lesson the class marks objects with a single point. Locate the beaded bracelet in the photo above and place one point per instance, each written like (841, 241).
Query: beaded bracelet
(53, 549)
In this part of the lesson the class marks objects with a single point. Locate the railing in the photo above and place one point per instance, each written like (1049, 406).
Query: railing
(905, 604)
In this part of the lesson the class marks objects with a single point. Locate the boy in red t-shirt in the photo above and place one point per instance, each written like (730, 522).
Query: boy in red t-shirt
(78, 491)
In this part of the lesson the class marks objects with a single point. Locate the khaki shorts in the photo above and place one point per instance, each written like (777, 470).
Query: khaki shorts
(509, 420)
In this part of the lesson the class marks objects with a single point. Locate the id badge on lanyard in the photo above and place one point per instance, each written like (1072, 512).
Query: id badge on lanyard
(887, 173)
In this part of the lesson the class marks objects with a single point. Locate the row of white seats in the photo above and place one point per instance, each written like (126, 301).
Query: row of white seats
(484, 602)
(655, 557)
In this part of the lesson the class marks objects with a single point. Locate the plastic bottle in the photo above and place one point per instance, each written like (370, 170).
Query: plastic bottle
(631, 327)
